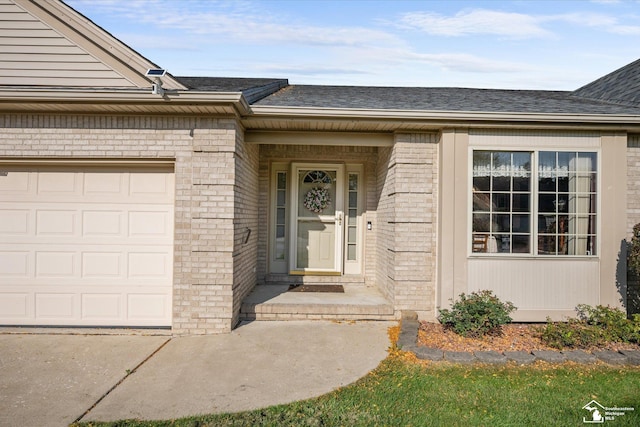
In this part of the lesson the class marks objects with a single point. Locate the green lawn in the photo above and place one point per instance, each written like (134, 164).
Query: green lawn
(403, 393)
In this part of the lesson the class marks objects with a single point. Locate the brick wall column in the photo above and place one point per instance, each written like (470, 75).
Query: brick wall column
(412, 257)
(205, 306)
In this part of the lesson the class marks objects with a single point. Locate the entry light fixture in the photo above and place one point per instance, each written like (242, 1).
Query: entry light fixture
(156, 74)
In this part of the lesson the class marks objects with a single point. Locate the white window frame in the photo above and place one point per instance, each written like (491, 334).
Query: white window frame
(534, 212)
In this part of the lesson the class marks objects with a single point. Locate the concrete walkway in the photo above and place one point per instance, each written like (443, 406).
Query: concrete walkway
(51, 380)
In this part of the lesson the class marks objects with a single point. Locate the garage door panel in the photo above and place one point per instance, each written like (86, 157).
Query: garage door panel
(104, 184)
(15, 305)
(59, 183)
(149, 224)
(56, 306)
(16, 183)
(14, 221)
(14, 264)
(102, 307)
(150, 186)
(56, 264)
(102, 264)
(83, 247)
(56, 222)
(103, 223)
(150, 265)
(146, 307)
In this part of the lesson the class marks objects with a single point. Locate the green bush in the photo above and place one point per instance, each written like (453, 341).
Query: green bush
(477, 314)
(633, 252)
(570, 334)
(595, 326)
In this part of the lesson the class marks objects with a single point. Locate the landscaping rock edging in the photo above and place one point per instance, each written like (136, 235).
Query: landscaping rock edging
(408, 341)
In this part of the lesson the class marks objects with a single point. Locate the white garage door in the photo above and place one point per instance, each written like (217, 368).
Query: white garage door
(86, 246)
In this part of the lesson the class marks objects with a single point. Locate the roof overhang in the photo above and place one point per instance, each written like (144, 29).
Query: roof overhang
(120, 101)
(299, 118)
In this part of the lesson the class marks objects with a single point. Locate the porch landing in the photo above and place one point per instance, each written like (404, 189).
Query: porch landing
(274, 302)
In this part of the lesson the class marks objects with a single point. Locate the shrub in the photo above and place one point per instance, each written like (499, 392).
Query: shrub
(633, 252)
(595, 326)
(612, 322)
(570, 334)
(477, 314)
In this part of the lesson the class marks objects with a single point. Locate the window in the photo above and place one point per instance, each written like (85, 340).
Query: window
(547, 210)
(352, 218)
(280, 217)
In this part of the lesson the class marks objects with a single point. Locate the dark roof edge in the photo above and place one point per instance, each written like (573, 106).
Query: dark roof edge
(256, 93)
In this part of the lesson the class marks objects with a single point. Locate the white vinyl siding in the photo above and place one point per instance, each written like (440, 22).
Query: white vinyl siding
(34, 54)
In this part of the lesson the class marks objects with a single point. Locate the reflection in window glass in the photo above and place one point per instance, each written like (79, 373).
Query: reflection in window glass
(501, 202)
(352, 220)
(280, 217)
(567, 203)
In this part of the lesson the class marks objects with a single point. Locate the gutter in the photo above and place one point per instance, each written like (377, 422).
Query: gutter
(434, 115)
(111, 97)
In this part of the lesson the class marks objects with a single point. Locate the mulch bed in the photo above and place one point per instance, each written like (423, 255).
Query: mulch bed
(514, 337)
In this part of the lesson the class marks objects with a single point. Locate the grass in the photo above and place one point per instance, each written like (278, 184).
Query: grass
(403, 392)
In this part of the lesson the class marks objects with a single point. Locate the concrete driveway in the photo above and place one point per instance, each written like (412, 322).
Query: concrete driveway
(52, 380)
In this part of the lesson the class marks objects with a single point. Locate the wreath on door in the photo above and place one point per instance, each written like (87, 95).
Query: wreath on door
(317, 199)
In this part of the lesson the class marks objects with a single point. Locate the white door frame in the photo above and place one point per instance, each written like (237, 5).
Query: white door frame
(337, 218)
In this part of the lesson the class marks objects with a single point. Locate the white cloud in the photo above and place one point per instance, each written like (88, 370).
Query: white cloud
(475, 22)
(508, 24)
(467, 63)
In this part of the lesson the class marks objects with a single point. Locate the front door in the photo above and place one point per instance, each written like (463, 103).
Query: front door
(316, 227)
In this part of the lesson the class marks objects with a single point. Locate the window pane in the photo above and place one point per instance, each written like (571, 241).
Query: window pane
(521, 223)
(521, 244)
(353, 199)
(503, 243)
(547, 224)
(547, 184)
(547, 203)
(565, 161)
(351, 238)
(282, 180)
(501, 183)
(521, 202)
(279, 231)
(501, 222)
(592, 160)
(351, 252)
(481, 183)
(481, 222)
(522, 161)
(482, 202)
(501, 160)
(282, 197)
(353, 217)
(547, 245)
(353, 182)
(522, 183)
(563, 183)
(562, 203)
(546, 162)
(502, 202)
(280, 216)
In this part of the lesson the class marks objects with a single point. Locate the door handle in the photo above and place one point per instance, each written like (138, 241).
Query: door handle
(339, 218)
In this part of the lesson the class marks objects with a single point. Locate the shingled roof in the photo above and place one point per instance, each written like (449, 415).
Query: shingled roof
(253, 89)
(441, 99)
(621, 86)
(617, 93)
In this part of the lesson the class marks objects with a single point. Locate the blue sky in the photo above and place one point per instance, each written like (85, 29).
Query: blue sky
(486, 44)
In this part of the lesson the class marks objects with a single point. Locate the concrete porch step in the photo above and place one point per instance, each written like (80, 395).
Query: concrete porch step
(273, 302)
(281, 279)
